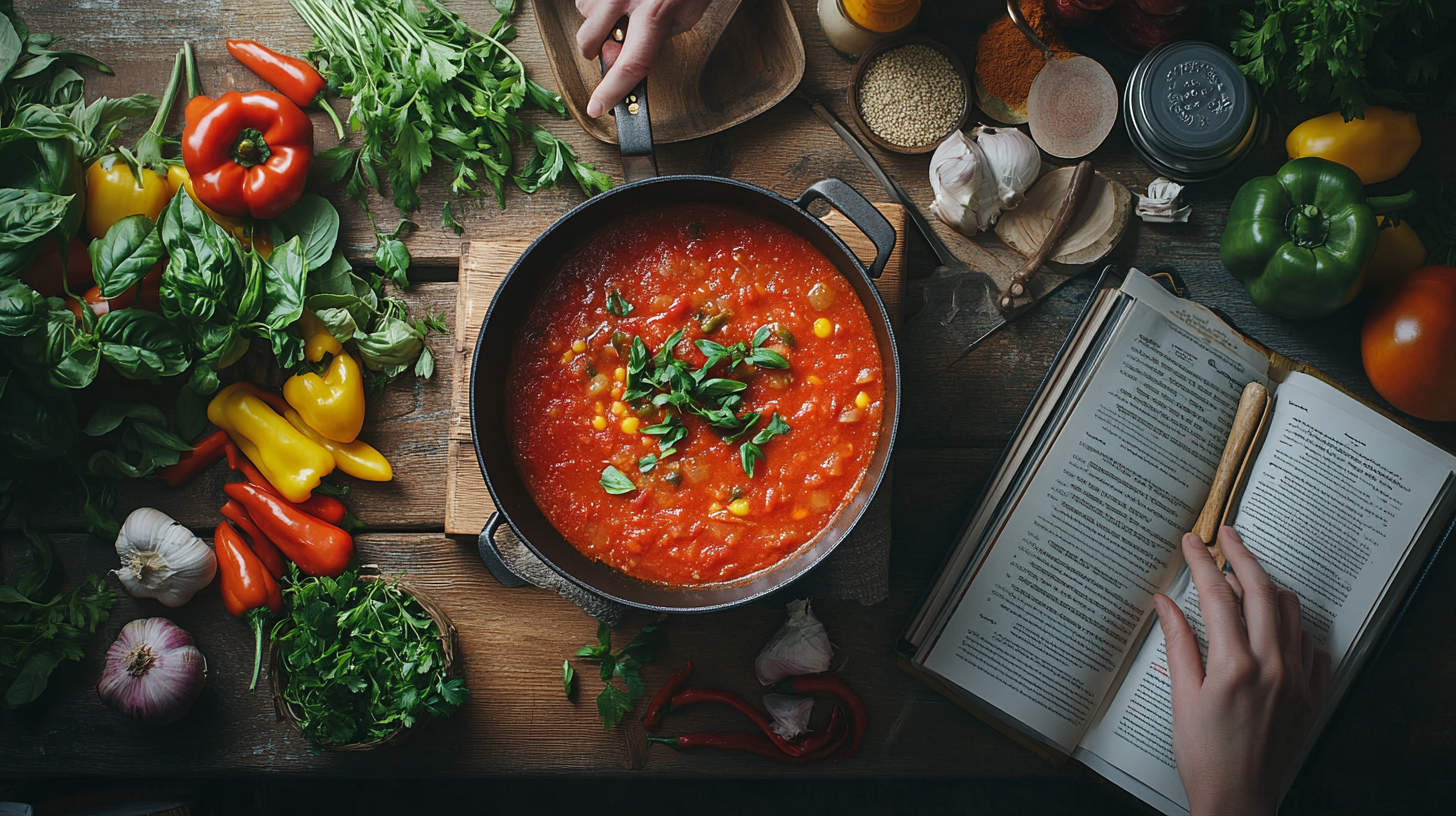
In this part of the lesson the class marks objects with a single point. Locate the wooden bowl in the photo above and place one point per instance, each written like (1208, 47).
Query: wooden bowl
(891, 44)
(449, 645)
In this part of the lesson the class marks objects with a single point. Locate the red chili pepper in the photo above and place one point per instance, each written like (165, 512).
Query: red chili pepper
(248, 153)
(193, 462)
(653, 716)
(263, 546)
(858, 716)
(699, 694)
(317, 547)
(293, 77)
(248, 591)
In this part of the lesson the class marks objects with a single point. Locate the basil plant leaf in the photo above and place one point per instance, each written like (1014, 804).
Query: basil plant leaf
(26, 215)
(130, 249)
(142, 345)
(315, 222)
(393, 345)
(284, 274)
(22, 309)
(616, 482)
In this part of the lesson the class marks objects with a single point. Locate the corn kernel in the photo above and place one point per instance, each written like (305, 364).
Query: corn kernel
(600, 423)
(815, 380)
(629, 425)
(618, 392)
(715, 507)
(823, 328)
(619, 408)
(862, 400)
(738, 507)
(620, 374)
(800, 514)
(566, 356)
(579, 346)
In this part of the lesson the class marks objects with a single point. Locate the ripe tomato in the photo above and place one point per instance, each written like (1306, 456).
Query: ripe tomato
(1408, 344)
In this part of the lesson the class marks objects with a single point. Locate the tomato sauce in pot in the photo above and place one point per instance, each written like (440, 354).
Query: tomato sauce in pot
(696, 395)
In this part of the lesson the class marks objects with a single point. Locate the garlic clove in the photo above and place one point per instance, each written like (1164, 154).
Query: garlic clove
(161, 558)
(801, 646)
(965, 192)
(790, 714)
(1014, 159)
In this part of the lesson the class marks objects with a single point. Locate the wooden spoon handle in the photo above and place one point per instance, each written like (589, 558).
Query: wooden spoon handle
(1071, 203)
(1246, 421)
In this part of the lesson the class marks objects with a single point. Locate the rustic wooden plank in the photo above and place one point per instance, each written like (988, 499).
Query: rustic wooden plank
(483, 266)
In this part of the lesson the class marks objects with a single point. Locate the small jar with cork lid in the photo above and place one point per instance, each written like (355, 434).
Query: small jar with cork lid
(852, 26)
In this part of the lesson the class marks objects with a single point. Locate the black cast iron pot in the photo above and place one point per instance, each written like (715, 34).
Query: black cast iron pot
(521, 289)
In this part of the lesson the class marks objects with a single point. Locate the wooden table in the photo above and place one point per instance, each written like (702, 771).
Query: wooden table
(1400, 724)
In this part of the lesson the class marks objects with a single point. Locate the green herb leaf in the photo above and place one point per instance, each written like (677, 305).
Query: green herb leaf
(647, 463)
(142, 345)
(616, 304)
(315, 222)
(748, 452)
(22, 309)
(130, 249)
(776, 427)
(568, 676)
(616, 482)
(447, 220)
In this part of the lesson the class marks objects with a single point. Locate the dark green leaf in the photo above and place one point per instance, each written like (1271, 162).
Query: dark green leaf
(447, 220)
(141, 345)
(612, 704)
(748, 452)
(26, 215)
(315, 222)
(647, 463)
(22, 309)
(284, 273)
(130, 249)
(776, 427)
(765, 358)
(393, 259)
(10, 46)
(616, 482)
(568, 675)
(616, 304)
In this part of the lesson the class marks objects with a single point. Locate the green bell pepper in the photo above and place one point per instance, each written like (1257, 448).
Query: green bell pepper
(1299, 239)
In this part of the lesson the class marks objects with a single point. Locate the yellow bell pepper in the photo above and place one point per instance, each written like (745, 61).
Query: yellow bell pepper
(1377, 147)
(1398, 250)
(254, 237)
(288, 459)
(358, 458)
(332, 404)
(113, 193)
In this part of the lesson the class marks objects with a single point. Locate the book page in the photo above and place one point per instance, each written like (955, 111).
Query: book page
(1334, 501)
(1065, 590)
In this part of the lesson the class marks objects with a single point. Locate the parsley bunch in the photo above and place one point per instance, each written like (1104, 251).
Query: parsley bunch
(626, 665)
(362, 657)
(429, 90)
(1351, 54)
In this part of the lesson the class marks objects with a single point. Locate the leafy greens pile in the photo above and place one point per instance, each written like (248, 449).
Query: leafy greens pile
(43, 627)
(362, 658)
(626, 665)
(1348, 54)
(427, 89)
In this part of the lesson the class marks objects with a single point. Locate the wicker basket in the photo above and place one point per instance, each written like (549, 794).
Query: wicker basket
(449, 644)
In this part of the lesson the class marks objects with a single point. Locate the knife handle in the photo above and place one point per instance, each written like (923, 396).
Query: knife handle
(1071, 203)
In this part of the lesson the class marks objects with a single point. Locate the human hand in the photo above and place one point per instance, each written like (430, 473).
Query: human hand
(653, 22)
(1238, 725)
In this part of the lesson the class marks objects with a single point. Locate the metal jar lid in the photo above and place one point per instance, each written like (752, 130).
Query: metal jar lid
(1190, 110)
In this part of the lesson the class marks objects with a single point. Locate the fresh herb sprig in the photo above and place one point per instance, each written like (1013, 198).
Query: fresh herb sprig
(671, 383)
(430, 91)
(626, 665)
(362, 659)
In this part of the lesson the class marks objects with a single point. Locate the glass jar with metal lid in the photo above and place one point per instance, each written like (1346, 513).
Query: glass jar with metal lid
(1189, 111)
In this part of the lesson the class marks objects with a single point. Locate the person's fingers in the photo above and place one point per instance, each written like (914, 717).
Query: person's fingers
(1185, 662)
(1260, 595)
(600, 16)
(1291, 629)
(1216, 599)
(1233, 582)
(644, 37)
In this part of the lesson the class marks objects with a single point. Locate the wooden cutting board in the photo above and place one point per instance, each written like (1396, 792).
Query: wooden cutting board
(484, 264)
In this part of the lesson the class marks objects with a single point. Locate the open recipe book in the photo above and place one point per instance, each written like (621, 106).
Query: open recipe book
(1041, 619)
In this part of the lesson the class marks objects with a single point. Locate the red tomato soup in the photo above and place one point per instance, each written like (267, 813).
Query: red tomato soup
(639, 451)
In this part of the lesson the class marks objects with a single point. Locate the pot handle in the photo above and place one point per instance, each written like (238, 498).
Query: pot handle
(634, 123)
(491, 556)
(858, 210)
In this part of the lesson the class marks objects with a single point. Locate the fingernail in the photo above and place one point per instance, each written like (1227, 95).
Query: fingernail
(593, 108)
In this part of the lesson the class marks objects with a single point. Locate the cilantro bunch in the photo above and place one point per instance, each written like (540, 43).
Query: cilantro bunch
(1348, 54)
(362, 657)
(613, 703)
(428, 91)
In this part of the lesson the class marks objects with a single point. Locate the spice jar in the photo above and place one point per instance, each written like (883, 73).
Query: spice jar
(1189, 111)
(852, 26)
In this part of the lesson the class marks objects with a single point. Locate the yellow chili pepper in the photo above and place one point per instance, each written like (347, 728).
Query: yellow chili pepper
(1398, 250)
(252, 236)
(1377, 147)
(113, 193)
(289, 460)
(358, 458)
(332, 404)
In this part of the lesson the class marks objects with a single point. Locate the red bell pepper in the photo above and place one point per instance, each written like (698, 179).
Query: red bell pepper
(247, 153)
(248, 591)
(193, 462)
(317, 547)
(294, 78)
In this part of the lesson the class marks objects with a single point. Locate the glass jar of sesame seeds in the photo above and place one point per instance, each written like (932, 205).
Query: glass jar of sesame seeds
(852, 26)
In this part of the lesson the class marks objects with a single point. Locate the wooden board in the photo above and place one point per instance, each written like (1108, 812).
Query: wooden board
(737, 62)
(484, 264)
(1091, 236)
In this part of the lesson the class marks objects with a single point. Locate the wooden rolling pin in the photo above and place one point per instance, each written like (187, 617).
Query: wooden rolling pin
(1246, 421)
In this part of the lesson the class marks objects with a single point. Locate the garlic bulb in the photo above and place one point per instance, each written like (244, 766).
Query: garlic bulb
(153, 672)
(1015, 162)
(790, 714)
(965, 192)
(801, 646)
(162, 559)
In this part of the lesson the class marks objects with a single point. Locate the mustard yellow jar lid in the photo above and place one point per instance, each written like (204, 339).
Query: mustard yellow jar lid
(881, 15)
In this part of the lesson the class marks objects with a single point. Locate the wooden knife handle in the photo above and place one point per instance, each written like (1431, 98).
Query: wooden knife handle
(1246, 421)
(1071, 204)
